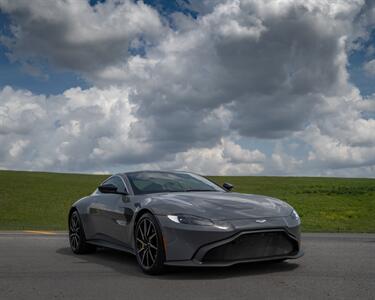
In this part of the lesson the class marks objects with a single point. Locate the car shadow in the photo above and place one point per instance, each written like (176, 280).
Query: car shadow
(121, 262)
(126, 264)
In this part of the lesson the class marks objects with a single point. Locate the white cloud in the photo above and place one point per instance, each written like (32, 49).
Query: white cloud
(74, 35)
(335, 154)
(283, 163)
(226, 158)
(20, 111)
(64, 132)
(257, 69)
(235, 153)
(369, 67)
(17, 148)
(89, 129)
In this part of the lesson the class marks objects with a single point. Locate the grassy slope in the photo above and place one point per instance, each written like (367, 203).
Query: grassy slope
(30, 200)
(33, 200)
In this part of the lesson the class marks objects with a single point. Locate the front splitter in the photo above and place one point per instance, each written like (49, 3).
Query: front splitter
(197, 263)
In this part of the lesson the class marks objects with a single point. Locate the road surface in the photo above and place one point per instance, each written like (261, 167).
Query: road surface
(40, 265)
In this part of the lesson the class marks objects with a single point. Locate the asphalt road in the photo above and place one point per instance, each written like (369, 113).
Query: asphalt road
(36, 266)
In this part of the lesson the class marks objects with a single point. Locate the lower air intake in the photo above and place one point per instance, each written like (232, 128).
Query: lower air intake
(253, 246)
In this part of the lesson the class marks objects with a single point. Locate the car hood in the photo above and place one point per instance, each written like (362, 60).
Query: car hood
(219, 205)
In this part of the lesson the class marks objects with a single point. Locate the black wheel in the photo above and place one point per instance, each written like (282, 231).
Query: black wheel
(149, 245)
(77, 237)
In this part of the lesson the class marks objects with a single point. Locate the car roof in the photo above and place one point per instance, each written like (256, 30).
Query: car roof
(155, 171)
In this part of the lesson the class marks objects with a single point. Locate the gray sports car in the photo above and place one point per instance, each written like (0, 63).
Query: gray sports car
(183, 219)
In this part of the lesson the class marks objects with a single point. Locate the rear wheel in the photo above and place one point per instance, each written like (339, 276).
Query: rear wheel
(77, 237)
(149, 245)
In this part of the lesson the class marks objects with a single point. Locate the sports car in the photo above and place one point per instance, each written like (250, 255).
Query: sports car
(183, 219)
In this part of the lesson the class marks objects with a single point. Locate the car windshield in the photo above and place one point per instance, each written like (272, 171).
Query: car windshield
(148, 182)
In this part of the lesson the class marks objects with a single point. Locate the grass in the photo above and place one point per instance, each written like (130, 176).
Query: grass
(324, 204)
(34, 200)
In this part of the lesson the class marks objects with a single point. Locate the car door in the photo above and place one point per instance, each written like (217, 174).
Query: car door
(108, 212)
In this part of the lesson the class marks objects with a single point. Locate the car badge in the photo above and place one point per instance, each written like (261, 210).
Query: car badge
(260, 221)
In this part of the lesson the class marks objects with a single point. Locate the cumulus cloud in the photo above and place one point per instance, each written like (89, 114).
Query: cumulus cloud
(183, 96)
(90, 129)
(340, 134)
(226, 158)
(333, 153)
(66, 132)
(370, 67)
(74, 35)
(268, 64)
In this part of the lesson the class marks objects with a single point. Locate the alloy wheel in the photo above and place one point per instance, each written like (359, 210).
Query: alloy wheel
(146, 243)
(74, 231)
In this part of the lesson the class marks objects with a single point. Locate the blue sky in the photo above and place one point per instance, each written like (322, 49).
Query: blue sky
(356, 61)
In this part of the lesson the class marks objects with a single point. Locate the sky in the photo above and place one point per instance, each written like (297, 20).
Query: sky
(233, 87)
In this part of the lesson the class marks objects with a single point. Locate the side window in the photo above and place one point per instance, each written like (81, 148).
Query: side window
(116, 181)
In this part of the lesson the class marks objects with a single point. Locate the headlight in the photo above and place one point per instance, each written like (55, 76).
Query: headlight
(295, 216)
(191, 220)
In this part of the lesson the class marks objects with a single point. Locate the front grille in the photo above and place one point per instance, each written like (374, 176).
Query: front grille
(253, 246)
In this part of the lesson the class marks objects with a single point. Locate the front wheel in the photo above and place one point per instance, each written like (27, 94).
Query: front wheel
(149, 245)
(77, 237)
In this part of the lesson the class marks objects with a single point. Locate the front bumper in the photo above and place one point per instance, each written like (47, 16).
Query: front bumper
(194, 245)
(195, 263)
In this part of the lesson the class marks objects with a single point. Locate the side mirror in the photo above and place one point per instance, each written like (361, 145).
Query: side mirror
(107, 188)
(228, 186)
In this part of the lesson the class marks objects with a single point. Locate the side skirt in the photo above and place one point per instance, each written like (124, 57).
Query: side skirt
(106, 244)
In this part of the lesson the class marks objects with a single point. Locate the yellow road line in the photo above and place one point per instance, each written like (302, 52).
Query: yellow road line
(40, 232)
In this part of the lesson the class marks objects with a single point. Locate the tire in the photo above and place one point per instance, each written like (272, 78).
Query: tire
(77, 237)
(149, 247)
